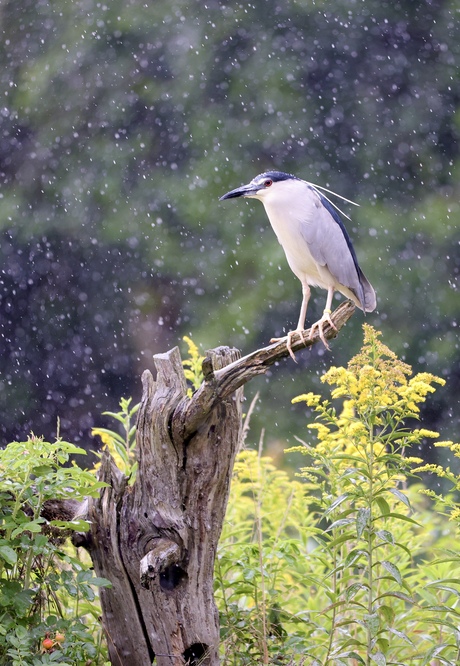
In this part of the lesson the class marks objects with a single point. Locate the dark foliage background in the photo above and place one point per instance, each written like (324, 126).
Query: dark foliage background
(120, 126)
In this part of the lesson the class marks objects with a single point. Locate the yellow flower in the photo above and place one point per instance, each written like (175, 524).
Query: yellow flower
(311, 399)
(106, 438)
(322, 430)
(193, 365)
(378, 393)
(422, 432)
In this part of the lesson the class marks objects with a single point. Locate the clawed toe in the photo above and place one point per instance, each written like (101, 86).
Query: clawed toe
(319, 325)
(289, 342)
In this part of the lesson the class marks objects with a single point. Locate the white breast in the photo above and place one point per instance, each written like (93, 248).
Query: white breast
(292, 206)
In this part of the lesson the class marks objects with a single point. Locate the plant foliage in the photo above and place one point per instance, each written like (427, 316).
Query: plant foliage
(347, 567)
(48, 607)
(121, 446)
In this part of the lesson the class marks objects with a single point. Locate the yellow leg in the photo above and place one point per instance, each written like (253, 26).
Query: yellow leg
(301, 323)
(326, 317)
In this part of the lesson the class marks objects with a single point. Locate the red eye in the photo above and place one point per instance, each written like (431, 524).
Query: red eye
(268, 182)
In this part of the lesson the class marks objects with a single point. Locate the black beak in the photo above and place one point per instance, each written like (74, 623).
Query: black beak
(243, 191)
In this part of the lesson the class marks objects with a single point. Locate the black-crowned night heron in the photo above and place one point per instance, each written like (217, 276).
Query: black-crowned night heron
(315, 241)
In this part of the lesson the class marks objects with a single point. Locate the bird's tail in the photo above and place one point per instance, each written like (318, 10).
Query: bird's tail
(368, 298)
(363, 296)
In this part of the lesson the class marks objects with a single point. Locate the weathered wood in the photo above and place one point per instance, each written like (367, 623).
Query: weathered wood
(156, 540)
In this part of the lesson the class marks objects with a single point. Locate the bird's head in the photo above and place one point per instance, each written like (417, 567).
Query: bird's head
(261, 185)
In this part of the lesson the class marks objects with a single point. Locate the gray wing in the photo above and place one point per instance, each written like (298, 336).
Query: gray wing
(330, 246)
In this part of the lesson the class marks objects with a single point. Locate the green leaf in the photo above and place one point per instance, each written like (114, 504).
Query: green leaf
(401, 496)
(342, 522)
(383, 505)
(392, 570)
(42, 470)
(398, 516)
(372, 622)
(34, 526)
(348, 536)
(349, 655)
(401, 634)
(383, 644)
(443, 581)
(119, 416)
(69, 448)
(353, 589)
(75, 525)
(353, 556)
(379, 658)
(8, 555)
(438, 608)
(396, 595)
(387, 613)
(362, 521)
(385, 536)
(337, 502)
(448, 588)
(434, 652)
(100, 582)
(350, 458)
(404, 548)
(21, 632)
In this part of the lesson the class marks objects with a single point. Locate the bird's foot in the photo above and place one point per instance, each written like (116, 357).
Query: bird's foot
(289, 342)
(319, 325)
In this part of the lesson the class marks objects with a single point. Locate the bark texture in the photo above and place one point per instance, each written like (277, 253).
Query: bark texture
(156, 540)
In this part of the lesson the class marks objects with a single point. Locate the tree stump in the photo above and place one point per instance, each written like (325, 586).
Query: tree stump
(156, 540)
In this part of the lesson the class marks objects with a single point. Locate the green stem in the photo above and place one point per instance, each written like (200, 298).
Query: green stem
(263, 606)
(127, 429)
(31, 555)
(370, 599)
(334, 611)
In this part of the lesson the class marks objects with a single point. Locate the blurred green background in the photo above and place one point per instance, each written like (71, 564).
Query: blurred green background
(122, 123)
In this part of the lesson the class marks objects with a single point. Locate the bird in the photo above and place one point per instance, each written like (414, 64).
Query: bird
(317, 246)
